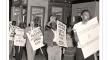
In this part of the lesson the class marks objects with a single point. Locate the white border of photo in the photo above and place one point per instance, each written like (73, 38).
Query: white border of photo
(4, 40)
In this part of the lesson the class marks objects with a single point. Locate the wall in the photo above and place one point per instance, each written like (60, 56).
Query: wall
(43, 3)
(97, 10)
(93, 7)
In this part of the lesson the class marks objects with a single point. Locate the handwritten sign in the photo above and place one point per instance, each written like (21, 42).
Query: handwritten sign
(88, 35)
(19, 39)
(35, 37)
(11, 33)
(61, 32)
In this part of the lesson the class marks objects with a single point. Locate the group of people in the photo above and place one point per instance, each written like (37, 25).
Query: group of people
(54, 51)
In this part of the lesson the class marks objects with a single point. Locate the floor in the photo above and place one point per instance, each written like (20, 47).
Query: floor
(37, 57)
(40, 56)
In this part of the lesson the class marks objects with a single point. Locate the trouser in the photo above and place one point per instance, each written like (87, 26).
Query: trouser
(10, 49)
(70, 53)
(54, 53)
(30, 52)
(79, 55)
(18, 52)
(68, 57)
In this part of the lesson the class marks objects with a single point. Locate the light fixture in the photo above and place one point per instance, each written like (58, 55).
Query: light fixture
(65, 0)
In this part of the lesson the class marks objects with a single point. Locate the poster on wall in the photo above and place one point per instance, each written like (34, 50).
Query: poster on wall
(58, 11)
(61, 32)
(19, 39)
(37, 14)
(35, 37)
(88, 35)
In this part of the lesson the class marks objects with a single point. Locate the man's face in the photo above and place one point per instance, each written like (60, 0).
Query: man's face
(52, 19)
(85, 16)
(69, 29)
(32, 24)
(39, 22)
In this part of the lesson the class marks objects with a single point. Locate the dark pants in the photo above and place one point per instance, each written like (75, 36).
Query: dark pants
(10, 50)
(18, 52)
(70, 53)
(79, 55)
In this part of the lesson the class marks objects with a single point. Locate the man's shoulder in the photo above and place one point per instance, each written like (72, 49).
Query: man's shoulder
(49, 35)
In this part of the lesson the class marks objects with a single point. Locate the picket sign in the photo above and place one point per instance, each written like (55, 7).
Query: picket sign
(61, 33)
(19, 37)
(88, 35)
(35, 37)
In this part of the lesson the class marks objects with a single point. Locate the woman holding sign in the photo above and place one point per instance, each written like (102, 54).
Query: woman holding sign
(19, 41)
(30, 52)
(30, 45)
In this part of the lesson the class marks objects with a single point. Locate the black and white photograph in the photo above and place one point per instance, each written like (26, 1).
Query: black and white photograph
(54, 30)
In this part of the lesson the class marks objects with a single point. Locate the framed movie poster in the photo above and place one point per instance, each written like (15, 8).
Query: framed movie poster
(37, 14)
(58, 11)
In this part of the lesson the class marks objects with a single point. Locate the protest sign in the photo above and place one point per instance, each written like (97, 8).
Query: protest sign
(35, 37)
(88, 35)
(61, 33)
(19, 37)
(11, 33)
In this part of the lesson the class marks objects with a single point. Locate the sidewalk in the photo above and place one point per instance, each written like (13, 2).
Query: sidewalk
(37, 57)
